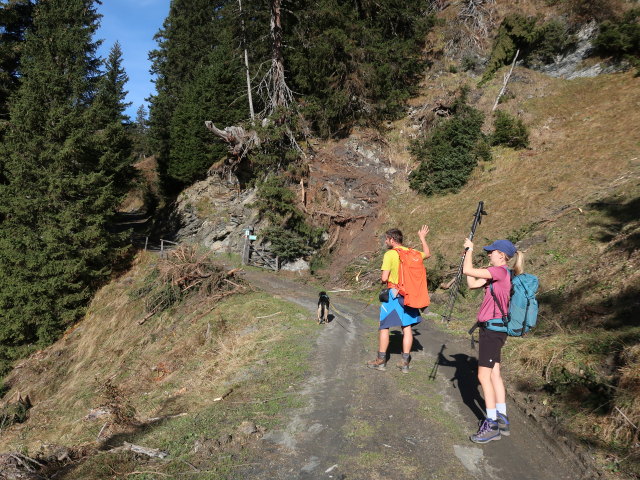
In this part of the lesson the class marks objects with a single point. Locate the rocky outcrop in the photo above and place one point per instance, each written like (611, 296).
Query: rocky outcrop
(348, 181)
(215, 214)
(571, 65)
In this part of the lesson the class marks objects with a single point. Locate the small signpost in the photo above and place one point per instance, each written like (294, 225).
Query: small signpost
(257, 256)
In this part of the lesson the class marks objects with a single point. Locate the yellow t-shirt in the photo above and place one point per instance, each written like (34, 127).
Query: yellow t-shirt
(391, 262)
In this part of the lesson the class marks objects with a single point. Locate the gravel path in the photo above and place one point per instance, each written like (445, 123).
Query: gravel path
(364, 424)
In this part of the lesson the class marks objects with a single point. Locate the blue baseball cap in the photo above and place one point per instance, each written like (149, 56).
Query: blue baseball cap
(505, 246)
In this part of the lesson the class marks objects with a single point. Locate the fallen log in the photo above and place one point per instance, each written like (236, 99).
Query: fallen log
(149, 452)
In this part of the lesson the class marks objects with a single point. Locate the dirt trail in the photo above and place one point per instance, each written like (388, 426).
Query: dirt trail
(364, 424)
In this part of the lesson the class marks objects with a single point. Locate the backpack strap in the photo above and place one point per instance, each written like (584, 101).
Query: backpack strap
(505, 317)
(495, 300)
(400, 268)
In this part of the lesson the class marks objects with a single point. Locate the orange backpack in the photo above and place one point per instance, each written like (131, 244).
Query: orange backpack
(412, 278)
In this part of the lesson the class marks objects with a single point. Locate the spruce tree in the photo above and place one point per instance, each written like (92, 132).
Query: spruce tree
(54, 247)
(110, 121)
(189, 34)
(355, 65)
(211, 95)
(15, 17)
(140, 133)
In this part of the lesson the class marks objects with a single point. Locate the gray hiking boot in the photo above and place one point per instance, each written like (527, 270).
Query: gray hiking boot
(378, 364)
(403, 365)
(503, 424)
(488, 431)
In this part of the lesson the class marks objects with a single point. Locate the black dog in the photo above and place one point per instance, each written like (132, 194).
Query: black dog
(323, 308)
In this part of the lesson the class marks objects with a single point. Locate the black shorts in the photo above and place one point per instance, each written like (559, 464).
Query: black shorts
(490, 346)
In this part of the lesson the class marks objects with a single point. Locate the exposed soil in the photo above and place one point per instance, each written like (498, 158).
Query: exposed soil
(365, 424)
(349, 182)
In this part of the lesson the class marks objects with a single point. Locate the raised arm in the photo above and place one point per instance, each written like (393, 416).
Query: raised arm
(476, 277)
(422, 234)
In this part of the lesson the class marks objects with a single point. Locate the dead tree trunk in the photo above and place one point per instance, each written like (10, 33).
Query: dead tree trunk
(274, 87)
(246, 63)
(239, 143)
(507, 76)
(277, 60)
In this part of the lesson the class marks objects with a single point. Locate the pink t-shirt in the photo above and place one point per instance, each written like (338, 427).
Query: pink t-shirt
(502, 288)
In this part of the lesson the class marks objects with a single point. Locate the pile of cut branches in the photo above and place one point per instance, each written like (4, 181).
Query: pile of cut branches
(186, 272)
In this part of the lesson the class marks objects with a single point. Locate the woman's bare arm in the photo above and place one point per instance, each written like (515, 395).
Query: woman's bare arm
(476, 277)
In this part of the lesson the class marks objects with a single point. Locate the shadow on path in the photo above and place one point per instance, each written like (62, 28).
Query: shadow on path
(395, 343)
(465, 378)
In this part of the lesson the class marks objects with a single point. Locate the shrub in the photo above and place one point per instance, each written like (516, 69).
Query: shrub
(450, 153)
(290, 235)
(509, 131)
(538, 44)
(276, 151)
(582, 11)
(551, 39)
(469, 62)
(286, 244)
(622, 37)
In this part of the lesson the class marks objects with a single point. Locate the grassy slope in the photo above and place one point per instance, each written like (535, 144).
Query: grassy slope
(175, 363)
(572, 200)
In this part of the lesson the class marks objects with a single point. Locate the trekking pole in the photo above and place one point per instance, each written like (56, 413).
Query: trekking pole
(477, 220)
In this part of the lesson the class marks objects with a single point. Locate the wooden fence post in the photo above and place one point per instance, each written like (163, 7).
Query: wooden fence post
(245, 251)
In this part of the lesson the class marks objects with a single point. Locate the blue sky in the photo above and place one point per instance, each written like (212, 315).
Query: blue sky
(133, 23)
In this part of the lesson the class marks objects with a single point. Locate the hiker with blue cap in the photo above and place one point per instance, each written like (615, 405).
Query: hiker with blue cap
(496, 281)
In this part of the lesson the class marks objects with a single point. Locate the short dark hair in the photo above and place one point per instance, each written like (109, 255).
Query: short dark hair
(394, 234)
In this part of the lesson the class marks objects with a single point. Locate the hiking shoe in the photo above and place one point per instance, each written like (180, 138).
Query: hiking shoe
(503, 424)
(378, 364)
(488, 431)
(403, 365)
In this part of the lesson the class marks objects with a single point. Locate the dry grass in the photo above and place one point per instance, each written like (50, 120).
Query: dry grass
(571, 162)
(176, 362)
(590, 380)
(148, 185)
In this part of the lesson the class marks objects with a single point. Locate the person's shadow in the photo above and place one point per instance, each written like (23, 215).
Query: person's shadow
(395, 342)
(465, 379)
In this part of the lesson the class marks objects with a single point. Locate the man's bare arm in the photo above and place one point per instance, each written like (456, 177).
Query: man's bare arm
(422, 234)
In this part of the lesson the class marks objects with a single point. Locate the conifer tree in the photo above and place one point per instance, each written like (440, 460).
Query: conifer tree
(15, 17)
(54, 247)
(108, 108)
(213, 95)
(189, 34)
(140, 133)
(355, 65)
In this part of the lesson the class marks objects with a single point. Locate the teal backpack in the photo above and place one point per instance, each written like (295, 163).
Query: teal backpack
(523, 306)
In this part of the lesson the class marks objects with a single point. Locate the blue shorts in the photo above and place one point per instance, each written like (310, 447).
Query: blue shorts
(393, 313)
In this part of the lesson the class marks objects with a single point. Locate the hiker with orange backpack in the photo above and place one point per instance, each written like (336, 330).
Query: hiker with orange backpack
(404, 276)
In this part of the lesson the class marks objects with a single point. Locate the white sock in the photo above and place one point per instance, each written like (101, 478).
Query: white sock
(492, 413)
(502, 408)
